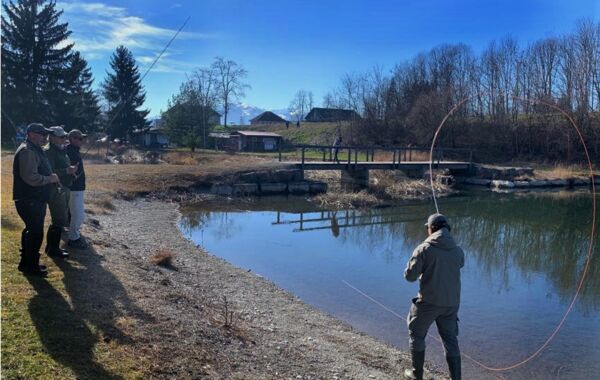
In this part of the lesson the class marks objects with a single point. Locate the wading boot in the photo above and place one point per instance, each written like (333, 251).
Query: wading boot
(454, 367)
(416, 372)
(53, 242)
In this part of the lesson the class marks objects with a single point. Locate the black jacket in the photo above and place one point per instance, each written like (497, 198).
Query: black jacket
(31, 173)
(75, 157)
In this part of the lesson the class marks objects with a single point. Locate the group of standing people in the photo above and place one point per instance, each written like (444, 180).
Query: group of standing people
(48, 173)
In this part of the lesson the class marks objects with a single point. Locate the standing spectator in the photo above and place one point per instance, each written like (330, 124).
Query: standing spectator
(58, 202)
(32, 181)
(337, 143)
(77, 188)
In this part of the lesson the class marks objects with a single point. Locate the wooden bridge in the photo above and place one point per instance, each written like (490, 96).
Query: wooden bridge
(356, 161)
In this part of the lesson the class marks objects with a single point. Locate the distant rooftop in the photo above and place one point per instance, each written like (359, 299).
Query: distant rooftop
(257, 133)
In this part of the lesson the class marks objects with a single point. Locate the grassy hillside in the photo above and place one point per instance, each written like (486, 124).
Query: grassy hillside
(308, 133)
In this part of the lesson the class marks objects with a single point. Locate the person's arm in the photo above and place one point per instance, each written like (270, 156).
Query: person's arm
(414, 267)
(28, 169)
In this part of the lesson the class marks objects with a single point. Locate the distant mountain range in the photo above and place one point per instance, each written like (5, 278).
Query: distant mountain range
(241, 113)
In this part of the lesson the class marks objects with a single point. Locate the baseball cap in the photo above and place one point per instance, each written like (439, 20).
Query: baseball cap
(76, 133)
(436, 219)
(58, 131)
(38, 128)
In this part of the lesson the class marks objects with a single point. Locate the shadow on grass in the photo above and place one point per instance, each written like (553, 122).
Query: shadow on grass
(9, 223)
(97, 299)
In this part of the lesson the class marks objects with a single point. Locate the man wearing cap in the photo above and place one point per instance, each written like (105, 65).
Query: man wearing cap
(59, 197)
(32, 181)
(77, 188)
(436, 263)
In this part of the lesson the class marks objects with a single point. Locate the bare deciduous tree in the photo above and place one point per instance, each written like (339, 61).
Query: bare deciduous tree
(230, 82)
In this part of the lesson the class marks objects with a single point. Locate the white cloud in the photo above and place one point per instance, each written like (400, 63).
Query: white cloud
(98, 29)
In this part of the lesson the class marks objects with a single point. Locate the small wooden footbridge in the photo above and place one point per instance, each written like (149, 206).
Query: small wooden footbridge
(356, 161)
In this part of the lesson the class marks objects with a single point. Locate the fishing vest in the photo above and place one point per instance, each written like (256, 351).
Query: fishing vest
(21, 190)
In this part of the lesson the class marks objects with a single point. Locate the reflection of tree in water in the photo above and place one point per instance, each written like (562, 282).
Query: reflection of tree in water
(545, 233)
(224, 224)
(533, 233)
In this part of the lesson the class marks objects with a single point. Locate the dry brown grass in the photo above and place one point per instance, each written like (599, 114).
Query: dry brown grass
(344, 200)
(163, 257)
(560, 172)
(132, 179)
(412, 156)
(396, 186)
(99, 203)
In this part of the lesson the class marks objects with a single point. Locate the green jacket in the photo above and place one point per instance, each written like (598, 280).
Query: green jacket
(437, 262)
(60, 162)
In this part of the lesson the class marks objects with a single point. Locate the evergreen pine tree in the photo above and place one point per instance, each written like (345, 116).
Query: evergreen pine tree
(80, 109)
(124, 93)
(34, 60)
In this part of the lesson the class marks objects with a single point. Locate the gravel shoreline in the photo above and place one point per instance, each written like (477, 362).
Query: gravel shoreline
(174, 317)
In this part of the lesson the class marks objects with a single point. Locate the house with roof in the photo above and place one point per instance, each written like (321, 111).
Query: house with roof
(153, 136)
(267, 118)
(331, 115)
(247, 141)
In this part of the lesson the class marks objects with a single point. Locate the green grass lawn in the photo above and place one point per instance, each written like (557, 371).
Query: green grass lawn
(44, 335)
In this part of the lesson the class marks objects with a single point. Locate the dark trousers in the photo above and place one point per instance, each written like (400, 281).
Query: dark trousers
(420, 318)
(32, 212)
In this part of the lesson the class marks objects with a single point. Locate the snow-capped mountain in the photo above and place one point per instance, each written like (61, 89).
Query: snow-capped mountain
(241, 113)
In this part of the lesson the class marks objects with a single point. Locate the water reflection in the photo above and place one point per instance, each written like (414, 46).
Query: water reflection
(528, 235)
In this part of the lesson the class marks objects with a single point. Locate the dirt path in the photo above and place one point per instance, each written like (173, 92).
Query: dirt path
(174, 318)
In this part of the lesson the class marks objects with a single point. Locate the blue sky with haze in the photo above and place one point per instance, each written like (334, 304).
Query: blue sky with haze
(289, 45)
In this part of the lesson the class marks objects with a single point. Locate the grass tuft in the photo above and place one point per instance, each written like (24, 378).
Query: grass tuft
(163, 257)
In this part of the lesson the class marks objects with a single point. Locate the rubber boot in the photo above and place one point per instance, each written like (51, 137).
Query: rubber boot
(30, 256)
(454, 367)
(416, 372)
(53, 242)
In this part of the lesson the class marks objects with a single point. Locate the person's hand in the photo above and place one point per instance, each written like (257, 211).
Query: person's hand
(53, 178)
(72, 169)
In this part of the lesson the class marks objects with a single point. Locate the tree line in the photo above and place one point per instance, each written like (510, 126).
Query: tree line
(44, 79)
(512, 94)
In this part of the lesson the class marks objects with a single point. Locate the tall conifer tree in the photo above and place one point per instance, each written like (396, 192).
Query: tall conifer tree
(43, 79)
(124, 93)
(79, 108)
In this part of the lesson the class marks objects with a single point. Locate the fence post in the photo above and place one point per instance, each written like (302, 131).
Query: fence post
(279, 149)
(303, 148)
(349, 156)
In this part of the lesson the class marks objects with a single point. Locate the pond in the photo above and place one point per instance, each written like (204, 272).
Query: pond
(524, 253)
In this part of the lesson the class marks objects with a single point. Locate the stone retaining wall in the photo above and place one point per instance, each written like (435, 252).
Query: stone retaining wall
(268, 182)
(506, 184)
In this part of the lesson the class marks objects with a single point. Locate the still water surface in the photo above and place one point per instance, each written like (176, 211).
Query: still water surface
(524, 256)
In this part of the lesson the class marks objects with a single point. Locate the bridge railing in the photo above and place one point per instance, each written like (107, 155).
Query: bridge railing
(353, 154)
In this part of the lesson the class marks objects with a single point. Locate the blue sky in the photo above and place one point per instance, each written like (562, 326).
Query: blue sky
(288, 45)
